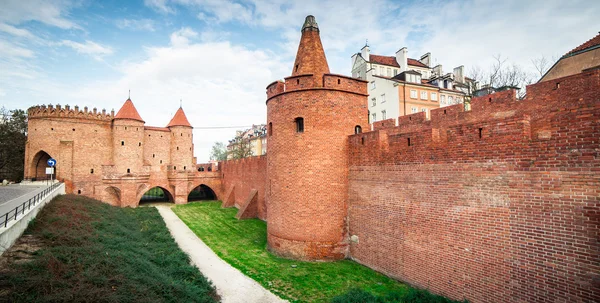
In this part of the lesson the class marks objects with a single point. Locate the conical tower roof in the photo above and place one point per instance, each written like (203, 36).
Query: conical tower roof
(310, 58)
(128, 111)
(179, 119)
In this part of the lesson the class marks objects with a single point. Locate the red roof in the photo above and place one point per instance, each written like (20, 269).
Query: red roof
(179, 119)
(128, 111)
(391, 60)
(592, 42)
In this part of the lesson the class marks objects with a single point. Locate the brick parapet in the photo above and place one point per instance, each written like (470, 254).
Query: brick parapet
(332, 82)
(51, 111)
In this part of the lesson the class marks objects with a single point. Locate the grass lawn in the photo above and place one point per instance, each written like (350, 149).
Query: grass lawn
(88, 251)
(243, 245)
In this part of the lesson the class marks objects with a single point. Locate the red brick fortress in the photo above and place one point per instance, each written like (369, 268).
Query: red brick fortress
(309, 119)
(115, 158)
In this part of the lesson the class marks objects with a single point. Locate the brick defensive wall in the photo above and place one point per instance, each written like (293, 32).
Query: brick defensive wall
(496, 204)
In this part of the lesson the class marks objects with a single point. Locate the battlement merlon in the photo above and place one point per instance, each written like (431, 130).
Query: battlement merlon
(51, 111)
(313, 82)
(553, 97)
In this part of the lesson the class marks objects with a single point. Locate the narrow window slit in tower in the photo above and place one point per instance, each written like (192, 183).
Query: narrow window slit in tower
(270, 129)
(357, 129)
(299, 124)
(139, 143)
(444, 112)
(297, 81)
(73, 129)
(160, 161)
(338, 81)
(490, 100)
(557, 85)
(153, 155)
(91, 171)
(79, 191)
(362, 140)
(128, 170)
(408, 141)
(480, 132)
(296, 67)
(177, 147)
(122, 143)
(184, 168)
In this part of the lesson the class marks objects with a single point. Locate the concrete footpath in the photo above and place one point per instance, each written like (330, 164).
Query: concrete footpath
(232, 285)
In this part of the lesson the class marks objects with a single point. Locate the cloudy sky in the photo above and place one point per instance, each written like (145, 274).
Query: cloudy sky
(218, 56)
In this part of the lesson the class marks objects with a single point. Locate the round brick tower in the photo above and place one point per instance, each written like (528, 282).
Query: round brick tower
(182, 153)
(310, 117)
(128, 136)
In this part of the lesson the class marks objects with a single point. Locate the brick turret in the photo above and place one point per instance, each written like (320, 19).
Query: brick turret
(309, 119)
(128, 135)
(181, 153)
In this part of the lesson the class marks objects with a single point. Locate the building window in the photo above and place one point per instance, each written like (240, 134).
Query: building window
(372, 84)
(270, 129)
(299, 124)
(389, 72)
(423, 110)
(373, 117)
(210, 168)
(382, 98)
(374, 69)
(357, 129)
(423, 95)
(434, 96)
(381, 72)
(450, 100)
(413, 93)
(443, 99)
(373, 101)
(413, 110)
(395, 71)
(383, 115)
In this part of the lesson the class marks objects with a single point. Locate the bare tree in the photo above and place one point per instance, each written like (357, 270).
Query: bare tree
(240, 148)
(503, 74)
(541, 64)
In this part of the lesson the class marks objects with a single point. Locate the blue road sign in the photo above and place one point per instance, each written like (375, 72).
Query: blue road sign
(51, 162)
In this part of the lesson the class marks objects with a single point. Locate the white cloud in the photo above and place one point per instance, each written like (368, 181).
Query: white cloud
(91, 48)
(9, 50)
(18, 32)
(182, 37)
(159, 5)
(140, 24)
(49, 12)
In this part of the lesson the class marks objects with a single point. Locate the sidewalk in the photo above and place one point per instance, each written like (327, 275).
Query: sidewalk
(232, 285)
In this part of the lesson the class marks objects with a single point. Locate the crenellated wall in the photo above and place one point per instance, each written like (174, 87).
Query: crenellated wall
(496, 204)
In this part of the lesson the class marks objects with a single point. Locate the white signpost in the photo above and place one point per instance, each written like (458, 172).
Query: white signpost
(50, 170)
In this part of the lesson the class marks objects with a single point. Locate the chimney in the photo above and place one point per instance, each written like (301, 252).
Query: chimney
(426, 59)
(437, 70)
(459, 75)
(365, 52)
(402, 59)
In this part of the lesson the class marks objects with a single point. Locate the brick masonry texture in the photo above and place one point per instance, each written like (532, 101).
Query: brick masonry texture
(243, 176)
(112, 159)
(496, 204)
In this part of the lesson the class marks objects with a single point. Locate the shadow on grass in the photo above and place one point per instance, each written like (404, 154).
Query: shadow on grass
(93, 252)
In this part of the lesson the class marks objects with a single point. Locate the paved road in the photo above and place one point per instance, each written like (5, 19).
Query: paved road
(15, 194)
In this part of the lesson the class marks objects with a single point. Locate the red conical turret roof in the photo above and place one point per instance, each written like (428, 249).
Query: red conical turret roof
(128, 111)
(310, 58)
(179, 119)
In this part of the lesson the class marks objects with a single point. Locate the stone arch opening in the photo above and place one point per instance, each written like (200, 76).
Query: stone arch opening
(156, 194)
(112, 195)
(202, 192)
(38, 166)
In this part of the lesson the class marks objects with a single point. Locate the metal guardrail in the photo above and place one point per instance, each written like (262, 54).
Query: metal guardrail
(14, 213)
